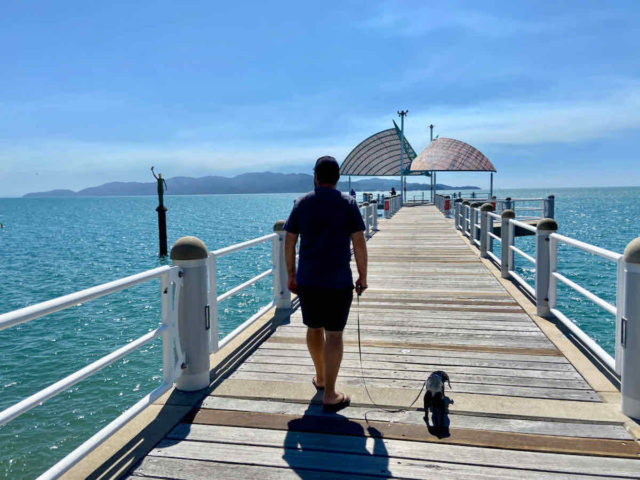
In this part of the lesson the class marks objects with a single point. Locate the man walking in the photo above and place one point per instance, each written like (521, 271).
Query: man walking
(326, 221)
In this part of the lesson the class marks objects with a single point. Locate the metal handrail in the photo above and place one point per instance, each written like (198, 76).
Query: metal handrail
(523, 283)
(242, 286)
(168, 330)
(613, 363)
(520, 252)
(587, 247)
(241, 246)
(60, 386)
(526, 226)
(26, 314)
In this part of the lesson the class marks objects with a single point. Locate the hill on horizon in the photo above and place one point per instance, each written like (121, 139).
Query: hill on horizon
(255, 182)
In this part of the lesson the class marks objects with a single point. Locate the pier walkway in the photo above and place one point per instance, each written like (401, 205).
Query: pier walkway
(526, 402)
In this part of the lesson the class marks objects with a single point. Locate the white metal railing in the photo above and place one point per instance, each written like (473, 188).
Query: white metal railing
(554, 239)
(173, 358)
(392, 204)
(545, 262)
(215, 299)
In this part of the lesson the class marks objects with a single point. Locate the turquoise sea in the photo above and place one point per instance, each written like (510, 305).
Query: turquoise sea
(51, 247)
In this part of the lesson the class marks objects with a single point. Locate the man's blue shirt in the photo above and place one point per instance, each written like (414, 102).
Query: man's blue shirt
(325, 220)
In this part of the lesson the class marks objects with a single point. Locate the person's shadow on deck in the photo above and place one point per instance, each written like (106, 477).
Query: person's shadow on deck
(320, 445)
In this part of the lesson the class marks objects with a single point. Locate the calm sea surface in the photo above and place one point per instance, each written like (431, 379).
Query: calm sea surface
(52, 247)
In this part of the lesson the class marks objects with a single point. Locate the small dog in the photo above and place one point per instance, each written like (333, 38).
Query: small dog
(434, 398)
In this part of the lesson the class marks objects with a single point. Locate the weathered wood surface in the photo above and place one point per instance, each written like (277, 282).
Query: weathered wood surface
(432, 305)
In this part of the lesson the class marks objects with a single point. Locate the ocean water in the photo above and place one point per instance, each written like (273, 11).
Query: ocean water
(51, 247)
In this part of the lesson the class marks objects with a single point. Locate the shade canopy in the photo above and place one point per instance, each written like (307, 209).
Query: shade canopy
(448, 154)
(378, 155)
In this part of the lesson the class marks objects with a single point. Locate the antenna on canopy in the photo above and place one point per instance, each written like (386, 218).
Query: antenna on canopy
(431, 128)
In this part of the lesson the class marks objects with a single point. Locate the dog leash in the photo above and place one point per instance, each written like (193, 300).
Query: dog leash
(364, 382)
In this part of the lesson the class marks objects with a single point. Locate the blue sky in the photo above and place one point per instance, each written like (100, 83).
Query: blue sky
(92, 92)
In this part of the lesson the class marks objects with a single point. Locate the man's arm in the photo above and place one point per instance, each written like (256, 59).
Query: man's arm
(360, 254)
(290, 241)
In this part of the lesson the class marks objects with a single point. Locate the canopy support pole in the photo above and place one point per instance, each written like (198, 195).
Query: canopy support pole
(435, 186)
(491, 187)
(349, 184)
(431, 186)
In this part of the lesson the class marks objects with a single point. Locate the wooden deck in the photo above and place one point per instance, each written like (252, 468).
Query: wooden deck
(520, 408)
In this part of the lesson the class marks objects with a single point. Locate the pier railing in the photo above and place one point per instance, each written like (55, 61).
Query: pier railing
(525, 208)
(478, 223)
(173, 358)
(189, 327)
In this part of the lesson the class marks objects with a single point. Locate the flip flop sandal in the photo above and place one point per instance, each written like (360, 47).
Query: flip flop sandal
(318, 387)
(335, 407)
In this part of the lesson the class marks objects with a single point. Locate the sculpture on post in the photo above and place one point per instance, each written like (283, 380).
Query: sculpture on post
(162, 185)
(162, 210)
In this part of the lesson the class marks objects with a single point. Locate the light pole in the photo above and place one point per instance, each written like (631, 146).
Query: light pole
(403, 185)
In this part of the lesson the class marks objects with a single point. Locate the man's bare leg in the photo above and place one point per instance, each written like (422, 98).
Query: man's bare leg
(315, 344)
(333, 348)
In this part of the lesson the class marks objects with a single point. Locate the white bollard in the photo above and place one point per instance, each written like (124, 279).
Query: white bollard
(374, 212)
(194, 320)
(630, 331)
(365, 217)
(505, 232)
(465, 211)
(281, 293)
(545, 227)
(484, 228)
(474, 221)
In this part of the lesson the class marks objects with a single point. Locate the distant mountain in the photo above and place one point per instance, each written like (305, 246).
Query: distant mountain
(263, 182)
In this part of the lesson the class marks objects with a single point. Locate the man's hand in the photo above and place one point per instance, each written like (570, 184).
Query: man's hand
(361, 285)
(360, 254)
(292, 284)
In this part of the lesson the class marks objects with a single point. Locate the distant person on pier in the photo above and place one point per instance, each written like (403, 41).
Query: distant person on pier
(162, 184)
(393, 191)
(353, 193)
(326, 221)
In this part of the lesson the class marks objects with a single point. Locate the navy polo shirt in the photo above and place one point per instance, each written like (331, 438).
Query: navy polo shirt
(325, 220)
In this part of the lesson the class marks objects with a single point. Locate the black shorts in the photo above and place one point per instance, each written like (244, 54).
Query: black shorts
(326, 308)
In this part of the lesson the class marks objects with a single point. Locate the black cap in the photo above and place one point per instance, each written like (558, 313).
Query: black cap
(326, 162)
(327, 170)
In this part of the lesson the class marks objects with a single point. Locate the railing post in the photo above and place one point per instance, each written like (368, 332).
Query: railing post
(484, 228)
(630, 331)
(213, 303)
(545, 227)
(508, 203)
(457, 203)
(374, 213)
(465, 210)
(505, 232)
(281, 293)
(194, 320)
(549, 206)
(474, 221)
(365, 217)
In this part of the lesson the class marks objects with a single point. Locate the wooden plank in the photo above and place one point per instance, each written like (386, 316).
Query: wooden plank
(552, 350)
(430, 331)
(359, 463)
(394, 448)
(414, 416)
(184, 469)
(459, 376)
(381, 363)
(485, 389)
(416, 353)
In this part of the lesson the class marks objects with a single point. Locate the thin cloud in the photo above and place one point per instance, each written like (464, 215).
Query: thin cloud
(419, 21)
